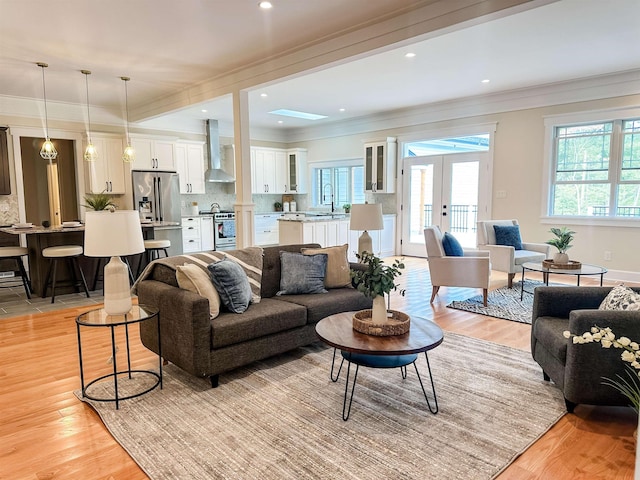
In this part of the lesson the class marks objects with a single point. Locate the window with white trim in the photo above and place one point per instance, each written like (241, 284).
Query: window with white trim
(596, 169)
(342, 184)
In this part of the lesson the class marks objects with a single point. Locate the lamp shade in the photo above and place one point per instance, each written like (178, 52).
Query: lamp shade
(366, 216)
(111, 234)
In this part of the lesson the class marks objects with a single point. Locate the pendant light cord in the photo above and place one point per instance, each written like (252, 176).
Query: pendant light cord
(44, 94)
(126, 105)
(86, 81)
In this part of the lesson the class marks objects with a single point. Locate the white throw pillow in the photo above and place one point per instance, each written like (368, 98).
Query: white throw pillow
(191, 277)
(621, 297)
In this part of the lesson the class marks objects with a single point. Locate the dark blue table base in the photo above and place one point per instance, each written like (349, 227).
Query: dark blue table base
(379, 361)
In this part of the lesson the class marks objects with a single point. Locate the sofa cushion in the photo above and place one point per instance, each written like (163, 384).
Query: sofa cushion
(268, 317)
(549, 331)
(193, 278)
(302, 273)
(508, 235)
(232, 284)
(451, 246)
(271, 266)
(335, 301)
(621, 298)
(338, 272)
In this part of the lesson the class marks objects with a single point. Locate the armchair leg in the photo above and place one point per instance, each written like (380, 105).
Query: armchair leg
(485, 292)
(510, 279)
(434, 292)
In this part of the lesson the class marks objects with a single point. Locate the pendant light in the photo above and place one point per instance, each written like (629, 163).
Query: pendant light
(129, 154)
(90, 154)
(48, 151)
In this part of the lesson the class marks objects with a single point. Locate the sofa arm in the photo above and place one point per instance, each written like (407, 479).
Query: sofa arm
(185, 325)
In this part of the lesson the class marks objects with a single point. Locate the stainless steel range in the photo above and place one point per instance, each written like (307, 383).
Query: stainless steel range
(224, 230)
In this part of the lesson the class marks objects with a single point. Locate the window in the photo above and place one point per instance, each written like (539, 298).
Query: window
(345, 183)
(596, 169)
(443, 146)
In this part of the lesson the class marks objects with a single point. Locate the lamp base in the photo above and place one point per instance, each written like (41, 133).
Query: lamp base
(365, 244)
(117, 291)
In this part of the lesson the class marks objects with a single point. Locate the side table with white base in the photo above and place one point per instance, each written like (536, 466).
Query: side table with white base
(99, 318)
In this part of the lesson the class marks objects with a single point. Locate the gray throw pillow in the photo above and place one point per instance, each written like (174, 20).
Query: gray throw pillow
(232, 284)
(302, 273)
(621, 297)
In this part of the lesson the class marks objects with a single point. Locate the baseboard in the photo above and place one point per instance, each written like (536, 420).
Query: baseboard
(622, 276)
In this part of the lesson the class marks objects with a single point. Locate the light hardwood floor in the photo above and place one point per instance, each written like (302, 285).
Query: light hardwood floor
(47, 433)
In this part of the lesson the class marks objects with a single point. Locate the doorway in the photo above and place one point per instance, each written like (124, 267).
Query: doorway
(49, 187)
(442, 190)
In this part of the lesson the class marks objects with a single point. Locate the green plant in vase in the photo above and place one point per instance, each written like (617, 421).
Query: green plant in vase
(277, 206)
(347, 207)
(562, 241)
(99, 201)
(376, 281)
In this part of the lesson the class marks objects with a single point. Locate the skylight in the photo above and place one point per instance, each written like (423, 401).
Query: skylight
(296, 114)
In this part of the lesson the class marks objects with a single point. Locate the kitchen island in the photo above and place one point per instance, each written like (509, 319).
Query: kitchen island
(39, 238)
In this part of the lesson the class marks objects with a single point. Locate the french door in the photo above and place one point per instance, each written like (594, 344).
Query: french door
(442, 190)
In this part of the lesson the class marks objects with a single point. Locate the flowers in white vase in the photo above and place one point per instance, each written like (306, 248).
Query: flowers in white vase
(629, 386)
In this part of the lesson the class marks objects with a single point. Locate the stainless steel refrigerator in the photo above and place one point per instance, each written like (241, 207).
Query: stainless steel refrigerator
(156, 195)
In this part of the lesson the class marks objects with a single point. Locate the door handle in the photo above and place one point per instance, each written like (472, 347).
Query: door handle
(444, 214)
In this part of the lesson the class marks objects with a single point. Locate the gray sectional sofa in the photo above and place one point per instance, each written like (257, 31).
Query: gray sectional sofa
(208, 347)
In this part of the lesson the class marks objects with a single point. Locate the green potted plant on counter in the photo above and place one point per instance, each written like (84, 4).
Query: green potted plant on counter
(347, 207)
(99, 201)
(277, 206)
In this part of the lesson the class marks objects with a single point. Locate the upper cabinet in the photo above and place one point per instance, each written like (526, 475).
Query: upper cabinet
(154, 154)
(296, 170)
(379, 166)
(107, 173)
(189, 158)
(268, 170)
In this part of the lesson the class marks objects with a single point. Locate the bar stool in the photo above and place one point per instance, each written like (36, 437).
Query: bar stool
(152, 249)
(70, 253)
(16, 253)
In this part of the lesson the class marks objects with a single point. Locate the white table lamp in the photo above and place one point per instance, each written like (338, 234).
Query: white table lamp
(364, 217)
(112, 234)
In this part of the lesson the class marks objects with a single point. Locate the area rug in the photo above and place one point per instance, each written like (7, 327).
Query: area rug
(281, 418)
(502, 303)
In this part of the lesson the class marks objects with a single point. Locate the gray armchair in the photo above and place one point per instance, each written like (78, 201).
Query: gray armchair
(578, 370)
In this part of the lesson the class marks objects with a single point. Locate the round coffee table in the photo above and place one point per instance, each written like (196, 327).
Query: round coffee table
(585, 269)
(395, 351)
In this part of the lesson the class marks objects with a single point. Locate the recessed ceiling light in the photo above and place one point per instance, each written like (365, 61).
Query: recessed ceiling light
(204, 110)
(296, 114)
(486, 80)
(409, 55)
(263, 95)
(265, 5)
(280, 121)
(342, 109)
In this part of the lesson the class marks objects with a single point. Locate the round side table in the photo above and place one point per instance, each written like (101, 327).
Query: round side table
(98, 318)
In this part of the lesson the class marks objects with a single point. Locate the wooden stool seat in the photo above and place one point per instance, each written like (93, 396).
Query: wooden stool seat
(152, 249)
(16, 253)
(70, 253)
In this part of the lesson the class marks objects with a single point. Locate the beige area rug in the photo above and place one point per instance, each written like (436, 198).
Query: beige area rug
(281, 418)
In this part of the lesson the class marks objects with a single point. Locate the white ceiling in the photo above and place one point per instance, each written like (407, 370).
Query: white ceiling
(171, 49)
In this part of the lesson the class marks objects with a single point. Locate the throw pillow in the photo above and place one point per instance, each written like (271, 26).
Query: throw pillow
(508, 235)
(451, 246)
(621, 298)
(193, 278)
(232, 284)
(338, 271)
(302, 273)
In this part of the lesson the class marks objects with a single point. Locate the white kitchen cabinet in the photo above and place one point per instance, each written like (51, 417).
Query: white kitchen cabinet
(189, 158)
(191, 234)
(296, 170)
(327, 233)
(379, 166)
(266, 228)
(206, 233)
(107, 172)
(154, 154)
(268, 170)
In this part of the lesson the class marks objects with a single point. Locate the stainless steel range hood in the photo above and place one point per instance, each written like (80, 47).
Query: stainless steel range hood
(215, 173)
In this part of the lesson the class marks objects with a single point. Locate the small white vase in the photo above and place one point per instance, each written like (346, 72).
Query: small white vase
(379, 310)
(561, 258)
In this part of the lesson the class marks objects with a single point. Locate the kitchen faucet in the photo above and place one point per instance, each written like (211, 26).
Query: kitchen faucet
(324, 195)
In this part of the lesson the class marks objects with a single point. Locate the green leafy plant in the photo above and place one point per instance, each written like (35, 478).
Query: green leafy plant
(563, 239)
(347, 207)
(629, 386)
(99, 201)
(377, 278)
(277, 206)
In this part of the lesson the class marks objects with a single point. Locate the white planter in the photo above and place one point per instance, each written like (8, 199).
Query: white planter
(379, 310)
(561, 258)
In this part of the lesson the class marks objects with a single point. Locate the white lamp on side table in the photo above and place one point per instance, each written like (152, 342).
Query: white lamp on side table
(364, 217)
(114, 234)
